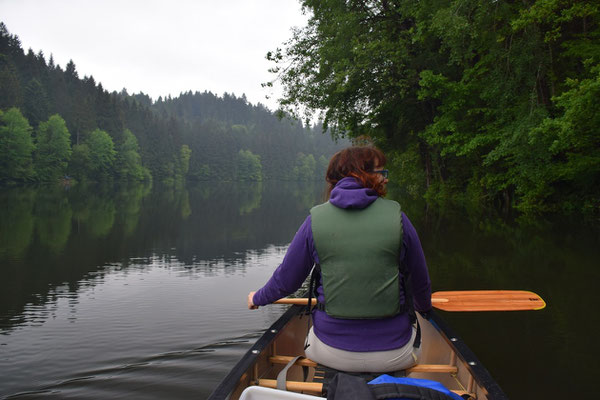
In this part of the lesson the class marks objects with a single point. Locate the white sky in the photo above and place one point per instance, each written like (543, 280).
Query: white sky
(160, 47)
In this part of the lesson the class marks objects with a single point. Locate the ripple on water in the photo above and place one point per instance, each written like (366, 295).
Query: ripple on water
(183, 374)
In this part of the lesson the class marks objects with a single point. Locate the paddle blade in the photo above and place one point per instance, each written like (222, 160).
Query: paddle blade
(487, 300)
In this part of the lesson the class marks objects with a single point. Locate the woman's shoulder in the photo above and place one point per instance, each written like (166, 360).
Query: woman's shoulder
(319, 207)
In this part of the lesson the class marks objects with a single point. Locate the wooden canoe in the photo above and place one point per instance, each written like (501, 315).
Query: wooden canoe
(444, 358)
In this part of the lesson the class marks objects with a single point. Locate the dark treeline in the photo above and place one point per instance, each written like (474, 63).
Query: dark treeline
(484, 101)
(234, 133)
(54, 123)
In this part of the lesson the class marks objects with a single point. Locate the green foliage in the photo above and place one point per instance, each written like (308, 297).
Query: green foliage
(249, 167)
(16, 147)
(571, 142)
(80, 159)
(322, 164)
(490, 100)
(53, 149)
(305, 167)
(128, 163)
(406, 171)
(184, 160)
(94, 159)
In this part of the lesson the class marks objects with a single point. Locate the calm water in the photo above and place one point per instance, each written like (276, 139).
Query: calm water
(140, 292)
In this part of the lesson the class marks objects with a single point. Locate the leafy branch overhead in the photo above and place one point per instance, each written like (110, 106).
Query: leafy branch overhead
(489, 99)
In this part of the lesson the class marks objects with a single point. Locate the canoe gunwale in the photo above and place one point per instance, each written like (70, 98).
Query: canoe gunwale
(480, 374)
(228, 384)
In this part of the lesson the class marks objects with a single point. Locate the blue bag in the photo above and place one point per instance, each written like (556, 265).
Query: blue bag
(411, 388)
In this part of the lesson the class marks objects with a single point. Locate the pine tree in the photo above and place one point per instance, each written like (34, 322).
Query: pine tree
(37, 106)
(11, 93)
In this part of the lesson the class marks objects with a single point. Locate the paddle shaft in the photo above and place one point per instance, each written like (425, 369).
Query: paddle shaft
(302, 301)
(470, 300)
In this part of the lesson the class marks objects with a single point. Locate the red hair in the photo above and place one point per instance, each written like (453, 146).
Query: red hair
(358, 162)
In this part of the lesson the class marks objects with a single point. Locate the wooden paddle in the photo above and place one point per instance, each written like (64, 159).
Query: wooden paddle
(471, 300)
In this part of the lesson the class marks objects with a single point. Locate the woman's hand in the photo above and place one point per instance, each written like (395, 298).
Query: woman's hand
(251, 305)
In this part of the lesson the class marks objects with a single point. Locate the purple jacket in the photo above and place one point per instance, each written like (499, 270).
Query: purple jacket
(350, 334)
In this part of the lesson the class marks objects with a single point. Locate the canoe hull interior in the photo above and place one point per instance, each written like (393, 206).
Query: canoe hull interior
(444, 358)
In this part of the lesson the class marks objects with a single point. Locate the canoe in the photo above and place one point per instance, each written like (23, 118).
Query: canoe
(444, 358)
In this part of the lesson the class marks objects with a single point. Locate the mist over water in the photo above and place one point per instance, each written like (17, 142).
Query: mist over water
(140, 292)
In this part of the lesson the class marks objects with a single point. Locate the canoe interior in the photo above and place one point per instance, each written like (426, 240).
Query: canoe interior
(286, 338)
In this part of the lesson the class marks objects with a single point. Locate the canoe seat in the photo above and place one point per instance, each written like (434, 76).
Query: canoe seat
(441, 368)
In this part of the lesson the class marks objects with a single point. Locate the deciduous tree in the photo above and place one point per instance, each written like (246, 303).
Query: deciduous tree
(16, 147)
(53, 149)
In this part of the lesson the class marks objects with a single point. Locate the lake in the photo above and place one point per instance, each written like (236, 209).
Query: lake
(140, 291)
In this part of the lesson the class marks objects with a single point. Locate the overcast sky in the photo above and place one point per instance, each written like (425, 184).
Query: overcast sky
(160, 47)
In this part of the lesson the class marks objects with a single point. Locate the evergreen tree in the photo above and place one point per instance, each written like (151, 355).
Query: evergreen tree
(36, 103)
(11, 94)
(71, 72)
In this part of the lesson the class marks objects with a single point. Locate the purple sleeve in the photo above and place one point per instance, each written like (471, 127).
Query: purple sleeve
(297, 264)
(417, 266)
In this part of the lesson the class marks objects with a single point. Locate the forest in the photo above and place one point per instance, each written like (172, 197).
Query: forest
(56, 125)
(479, 102)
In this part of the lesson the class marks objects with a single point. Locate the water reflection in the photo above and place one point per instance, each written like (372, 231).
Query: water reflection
(52, 237)
(53, 216)
(16, 221)
(123, 325)
(555, 257)
(105, 289)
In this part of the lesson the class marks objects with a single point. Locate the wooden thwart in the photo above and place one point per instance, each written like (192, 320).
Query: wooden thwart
(470, 300)
(441, 368)
(305, 362)
(293, 386)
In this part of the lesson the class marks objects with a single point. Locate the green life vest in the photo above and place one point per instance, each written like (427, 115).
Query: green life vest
(358, 252)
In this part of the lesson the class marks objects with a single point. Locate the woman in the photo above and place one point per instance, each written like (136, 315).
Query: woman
(362, 246)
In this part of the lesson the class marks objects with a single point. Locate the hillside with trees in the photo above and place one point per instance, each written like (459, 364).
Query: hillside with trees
(54, 123)
(479, 101)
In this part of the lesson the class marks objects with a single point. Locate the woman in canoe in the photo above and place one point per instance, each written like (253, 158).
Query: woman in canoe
(363, 248)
